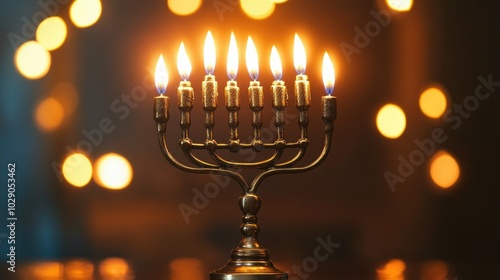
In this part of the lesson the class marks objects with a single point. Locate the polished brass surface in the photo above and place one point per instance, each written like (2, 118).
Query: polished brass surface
(249, 260)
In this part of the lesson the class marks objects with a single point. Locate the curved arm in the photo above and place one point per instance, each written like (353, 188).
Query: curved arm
(326, 148)
(294, 160)
(261, 164)
(198, 162)
(231, 174)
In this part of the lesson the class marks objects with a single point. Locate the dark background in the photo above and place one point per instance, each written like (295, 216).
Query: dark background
(447, 42)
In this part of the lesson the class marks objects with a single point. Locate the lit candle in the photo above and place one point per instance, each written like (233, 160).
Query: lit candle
(255, 92)
(232, 93)
(185, 92)
(278, 90)
(161, 102)
(302, 87)
(328, 102)
(209, 89)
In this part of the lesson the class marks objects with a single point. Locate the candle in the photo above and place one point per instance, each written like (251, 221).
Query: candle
(302, 87)
(232, 94)
(328, 102)
(255, 93)
(278, 88)
(209, 85)
(279, 93)
(185, 92)
(161, 102)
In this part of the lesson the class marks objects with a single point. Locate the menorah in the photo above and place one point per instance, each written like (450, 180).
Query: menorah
(249, 261)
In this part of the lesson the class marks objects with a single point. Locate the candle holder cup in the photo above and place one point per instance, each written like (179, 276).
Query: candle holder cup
(249, 260)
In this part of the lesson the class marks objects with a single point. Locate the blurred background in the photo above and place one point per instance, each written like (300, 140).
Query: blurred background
(407, 192)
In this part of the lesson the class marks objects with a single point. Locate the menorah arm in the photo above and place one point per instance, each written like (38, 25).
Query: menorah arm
(260, 164)
(288, 170)
(170, 158)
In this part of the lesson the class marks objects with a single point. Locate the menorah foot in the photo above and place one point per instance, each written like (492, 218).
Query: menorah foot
(249, 264)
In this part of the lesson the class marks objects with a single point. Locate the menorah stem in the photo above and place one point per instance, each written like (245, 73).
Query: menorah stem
(303, 123)
(232, 99)
(185, 95)
(249, 261)
(209, 103)
(256, 104)
(280, 101)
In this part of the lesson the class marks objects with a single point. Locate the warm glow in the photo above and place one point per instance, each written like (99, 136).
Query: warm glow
(85, 13)
(183, 63)
(392, 270)
(78, 269)
(232, 58)
(209, 54)
(276, 67)
(115, 268)
(258, 9)
(433, 102)
(279, 1)
(77, 170)
(184, 7)
(400, 5)
(161, 76)
(32, 60)
(252, 59)
(44, 270)
(328, 74)
(113, 171)
(444, 170)
(391, 121)
(299, 56)
(49, 114)
(51, 33)
(67, 95)
(186, 269)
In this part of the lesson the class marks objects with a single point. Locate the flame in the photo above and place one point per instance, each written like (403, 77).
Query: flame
(276, 68)
(252, 59)
(328, 74)
(161, 76)
(232, 59)
(183, 63)
(209, 54)
(299, 56)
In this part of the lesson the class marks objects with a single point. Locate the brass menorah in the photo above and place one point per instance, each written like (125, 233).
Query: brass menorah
(249, 261)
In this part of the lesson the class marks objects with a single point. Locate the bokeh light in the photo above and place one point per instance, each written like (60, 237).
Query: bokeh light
(113, 171)
(32, 60)
(43, 270)
(186, 269)
(184, 7)
(391, 121)
(85, 13)
(49, 114)
(444, 169)
(114, 268)
(77, 170)
(279, 1)
(433, 102)
(392, 270)
(78, 269)
(51, 33)
(67, 95)
(258, 9)
(400, 5)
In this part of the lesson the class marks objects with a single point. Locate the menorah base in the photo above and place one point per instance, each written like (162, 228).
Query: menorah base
(249, 264)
